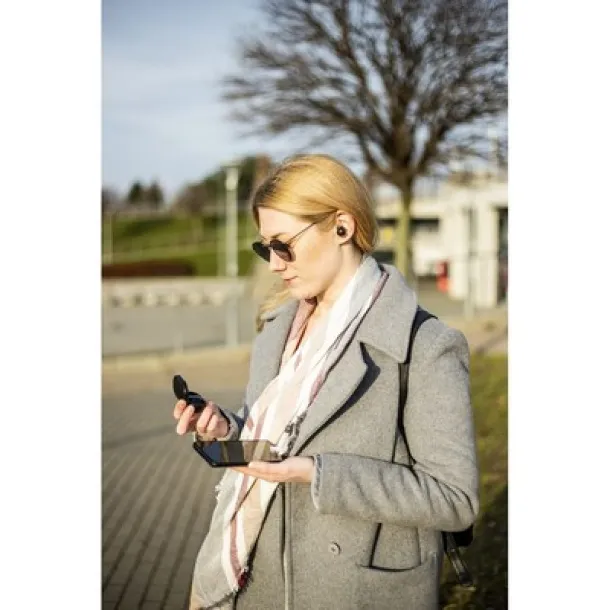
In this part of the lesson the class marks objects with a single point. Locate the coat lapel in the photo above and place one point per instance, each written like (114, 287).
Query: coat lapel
(395, 308)
(339, 385)
(387, 325)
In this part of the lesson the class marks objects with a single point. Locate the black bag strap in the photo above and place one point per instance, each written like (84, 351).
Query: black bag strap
(421, 315)
(449, 542)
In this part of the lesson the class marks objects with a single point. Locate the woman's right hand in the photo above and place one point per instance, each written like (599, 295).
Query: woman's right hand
(210, 424)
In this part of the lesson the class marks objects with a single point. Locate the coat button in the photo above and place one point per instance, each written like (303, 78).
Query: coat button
(334, 548)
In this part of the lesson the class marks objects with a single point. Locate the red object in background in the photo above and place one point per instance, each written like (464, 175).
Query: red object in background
(442, 276)
(150, 268)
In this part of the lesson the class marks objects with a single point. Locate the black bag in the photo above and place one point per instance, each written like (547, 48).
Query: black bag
(452, 541)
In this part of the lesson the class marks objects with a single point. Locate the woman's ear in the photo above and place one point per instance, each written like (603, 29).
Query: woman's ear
(345, 226)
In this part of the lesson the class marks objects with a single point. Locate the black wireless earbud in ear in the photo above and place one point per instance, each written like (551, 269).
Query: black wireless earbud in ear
(341, 231)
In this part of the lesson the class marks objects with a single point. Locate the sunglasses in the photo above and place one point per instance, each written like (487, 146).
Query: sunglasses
(281, 248)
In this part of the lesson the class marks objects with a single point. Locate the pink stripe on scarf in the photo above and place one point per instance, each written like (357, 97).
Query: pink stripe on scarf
(276, 399)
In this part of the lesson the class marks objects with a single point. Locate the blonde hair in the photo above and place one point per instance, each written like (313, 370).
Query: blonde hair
(311, 187)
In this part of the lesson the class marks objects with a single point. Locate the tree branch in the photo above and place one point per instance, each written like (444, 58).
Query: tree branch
(401, 77)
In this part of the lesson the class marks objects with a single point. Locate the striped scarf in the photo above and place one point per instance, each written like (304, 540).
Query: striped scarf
(276, 415)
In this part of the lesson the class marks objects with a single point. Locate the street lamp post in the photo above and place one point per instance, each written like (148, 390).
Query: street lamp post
(232, 249)
(232, 177)
(108, 255)
(469, 303)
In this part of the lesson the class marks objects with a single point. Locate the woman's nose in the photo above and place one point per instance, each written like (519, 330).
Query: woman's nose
(275, 262)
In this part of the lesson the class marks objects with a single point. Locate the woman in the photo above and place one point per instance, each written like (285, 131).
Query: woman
(345, 520)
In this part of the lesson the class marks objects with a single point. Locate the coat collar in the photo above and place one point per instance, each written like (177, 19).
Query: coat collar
(285, 310)
(385, 327)
(394, 309)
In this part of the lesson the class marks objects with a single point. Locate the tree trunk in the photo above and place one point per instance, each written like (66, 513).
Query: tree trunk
(403, 251)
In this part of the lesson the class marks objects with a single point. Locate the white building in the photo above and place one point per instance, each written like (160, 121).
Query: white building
(465, 226)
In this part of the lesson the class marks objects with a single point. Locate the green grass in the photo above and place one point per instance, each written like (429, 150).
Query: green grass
(197, 240)
(487, 557)
(206, 262)
(134, 233)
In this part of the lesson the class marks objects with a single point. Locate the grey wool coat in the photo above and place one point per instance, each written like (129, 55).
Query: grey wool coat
(373, 541)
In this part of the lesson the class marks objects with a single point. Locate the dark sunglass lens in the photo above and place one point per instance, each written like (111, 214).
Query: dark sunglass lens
(262, 250)
(282, 250)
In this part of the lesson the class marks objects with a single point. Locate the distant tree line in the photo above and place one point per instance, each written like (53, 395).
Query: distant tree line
(139, 197)
(207, 196)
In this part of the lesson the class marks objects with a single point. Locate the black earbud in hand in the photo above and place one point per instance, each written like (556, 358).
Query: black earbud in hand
(182, 392)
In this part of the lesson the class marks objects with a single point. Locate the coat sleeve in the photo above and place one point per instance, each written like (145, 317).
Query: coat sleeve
(236, 423)
(441, 490)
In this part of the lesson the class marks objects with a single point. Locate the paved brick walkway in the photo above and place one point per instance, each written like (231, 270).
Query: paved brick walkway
(157, 498)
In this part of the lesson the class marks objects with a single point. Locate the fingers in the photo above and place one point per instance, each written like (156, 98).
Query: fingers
(243, 469)
(263, 470)
(266, 467)
(183, 414)
(295, 469)
(179, 408)
(186, 421)
(211, 423)
(204, 419)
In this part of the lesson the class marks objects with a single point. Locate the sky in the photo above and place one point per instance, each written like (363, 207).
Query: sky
(162, 117)
(162, 114)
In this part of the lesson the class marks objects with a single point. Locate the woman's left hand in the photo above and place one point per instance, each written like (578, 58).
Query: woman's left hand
(295, 469)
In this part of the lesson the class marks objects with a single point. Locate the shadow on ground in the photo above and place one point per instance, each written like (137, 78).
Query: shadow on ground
(134, 437)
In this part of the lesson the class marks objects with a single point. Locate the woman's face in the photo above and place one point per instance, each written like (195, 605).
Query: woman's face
(317, 253)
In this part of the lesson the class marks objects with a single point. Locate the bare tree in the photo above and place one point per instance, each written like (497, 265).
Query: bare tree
(413, 83)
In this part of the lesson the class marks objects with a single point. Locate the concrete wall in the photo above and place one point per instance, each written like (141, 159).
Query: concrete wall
(152, 292)
(473, 250)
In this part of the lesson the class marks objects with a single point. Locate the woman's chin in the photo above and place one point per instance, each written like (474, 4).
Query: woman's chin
(296, 293)
(300, 293)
